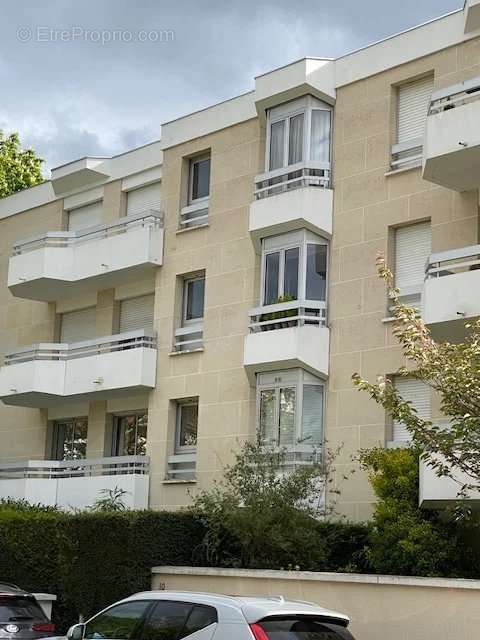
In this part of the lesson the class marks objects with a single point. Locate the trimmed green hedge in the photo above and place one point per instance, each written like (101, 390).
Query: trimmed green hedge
(91, 559)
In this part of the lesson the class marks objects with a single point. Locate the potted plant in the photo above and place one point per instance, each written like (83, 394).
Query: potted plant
(280, 315)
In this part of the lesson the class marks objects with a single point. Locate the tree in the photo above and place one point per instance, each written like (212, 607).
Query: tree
(19, 168)
(453, 372)
(263, 515)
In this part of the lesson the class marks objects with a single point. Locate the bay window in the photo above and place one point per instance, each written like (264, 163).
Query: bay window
(294, 267)
(298, 131)
(290, 407)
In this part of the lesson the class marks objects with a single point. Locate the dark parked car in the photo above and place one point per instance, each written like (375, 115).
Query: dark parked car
(21, 617)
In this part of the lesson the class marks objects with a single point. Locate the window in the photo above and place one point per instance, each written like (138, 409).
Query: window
(290, 408)
(299, 628)
(187, 425)
(90, 215)
(130, 434)
(193, 300)
(298, 131)
(143, 199)
(19, 607)
(70, 439)
(137, 313)
(416, 392)
(177, 620)
(117, 623)
(199, 179)
(76, 326)
(294, 267)
(413, 102)
(413, 246)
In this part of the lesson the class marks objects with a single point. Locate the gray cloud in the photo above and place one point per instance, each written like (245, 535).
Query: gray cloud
(77, 96)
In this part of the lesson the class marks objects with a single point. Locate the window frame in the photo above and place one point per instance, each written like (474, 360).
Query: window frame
(180, 404)
(287, 111)
(191, 163)
(297, 239)
(297, 379)
(141, 621)
(119, 436)
(57, 451)
(192, 321)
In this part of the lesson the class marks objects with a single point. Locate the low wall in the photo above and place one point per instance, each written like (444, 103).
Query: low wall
(393, 607)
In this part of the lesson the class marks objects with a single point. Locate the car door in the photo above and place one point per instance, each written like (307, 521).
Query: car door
(120, 622)
(180, 620)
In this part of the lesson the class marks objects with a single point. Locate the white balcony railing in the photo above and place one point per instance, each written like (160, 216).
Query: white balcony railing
(406, 154)
(41, 374)
(71, 484)
(194, 215)
(287, 314)
(455, 96)
(182, 466)
(302, 174)
(62, 239)
(189, 338)
(447, 263)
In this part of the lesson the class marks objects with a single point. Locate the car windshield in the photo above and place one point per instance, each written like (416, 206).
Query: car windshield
(18, 608)
(300, 628)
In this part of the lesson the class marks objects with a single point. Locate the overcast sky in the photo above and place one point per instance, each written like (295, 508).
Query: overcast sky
(97, 77)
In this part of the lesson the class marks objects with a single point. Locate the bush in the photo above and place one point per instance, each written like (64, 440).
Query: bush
(90, 559)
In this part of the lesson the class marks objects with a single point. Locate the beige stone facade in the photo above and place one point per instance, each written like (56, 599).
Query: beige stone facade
(246, 208)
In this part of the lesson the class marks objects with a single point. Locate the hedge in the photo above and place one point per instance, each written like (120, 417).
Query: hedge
(91, 559)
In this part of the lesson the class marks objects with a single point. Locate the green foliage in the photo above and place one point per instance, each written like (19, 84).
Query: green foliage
(405, 539)
(110, 500)
(453, 372)
(19, 168)
(90, 559)
(281, 315)
(260, 516)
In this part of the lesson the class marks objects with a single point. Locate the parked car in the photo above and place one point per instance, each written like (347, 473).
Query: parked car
(168, 615)
(21, 617)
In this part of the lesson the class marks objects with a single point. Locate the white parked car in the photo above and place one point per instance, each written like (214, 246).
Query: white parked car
(169, 615)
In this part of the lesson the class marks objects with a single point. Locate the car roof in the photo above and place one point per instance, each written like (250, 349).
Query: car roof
(253, 608)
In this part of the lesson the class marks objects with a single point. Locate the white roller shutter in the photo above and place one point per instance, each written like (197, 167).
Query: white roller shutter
(413, 246)
(76, 326)
(418, 393)
(88, 216)
(136, 313)
(413, 103)
(143, 199)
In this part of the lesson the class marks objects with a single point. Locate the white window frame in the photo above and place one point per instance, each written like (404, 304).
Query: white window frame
(180, 404)
(281, 244)
(197, 201)
(188, 322)
(293, 379)
(288, 111)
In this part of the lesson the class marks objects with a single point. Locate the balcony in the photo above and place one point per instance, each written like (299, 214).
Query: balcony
(292, 198)
(441, 492)
(287, 335)
(451, 292)
(451, 153)
(66, 263)
(43, 375)
(76, 484)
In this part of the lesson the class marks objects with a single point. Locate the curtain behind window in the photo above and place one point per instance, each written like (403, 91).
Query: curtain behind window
(320, 136)
(295, 141)
(277, 141)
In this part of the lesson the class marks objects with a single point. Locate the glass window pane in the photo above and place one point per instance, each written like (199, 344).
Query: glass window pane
(312, 418)
(320, 136)
(268, 428)
(133, 434)
(287, 417)
(200, 618)
(277, 142)
(293, 628)
(188, 425)
(195, 299)
(295, 139)
(72, 439)
(316, 288)
(118, 623)
(167, 621)
(290, 280)
(272, 267)
(201, 178)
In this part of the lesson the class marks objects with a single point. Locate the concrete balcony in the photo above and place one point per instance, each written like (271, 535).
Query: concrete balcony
(451, 292)
(441, 492)
(288, 335)
(292, 198)
(66, 263)
(451, 152)
(43, 375)
(76, 484)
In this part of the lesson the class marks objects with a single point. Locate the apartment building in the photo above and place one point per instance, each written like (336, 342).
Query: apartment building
(161, 306)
